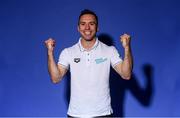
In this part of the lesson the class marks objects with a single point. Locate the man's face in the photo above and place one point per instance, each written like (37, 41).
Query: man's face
(88, 27)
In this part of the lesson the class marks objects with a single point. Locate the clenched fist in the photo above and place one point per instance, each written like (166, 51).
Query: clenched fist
(50, 44)
(125, 40)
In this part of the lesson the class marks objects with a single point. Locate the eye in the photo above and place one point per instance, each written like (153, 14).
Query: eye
(82, 23)
(92, 23)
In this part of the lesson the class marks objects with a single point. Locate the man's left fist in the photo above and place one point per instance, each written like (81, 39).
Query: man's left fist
(125, 40)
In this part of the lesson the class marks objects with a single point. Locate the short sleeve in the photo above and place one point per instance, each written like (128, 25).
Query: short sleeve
(64, 58)
(115, 57)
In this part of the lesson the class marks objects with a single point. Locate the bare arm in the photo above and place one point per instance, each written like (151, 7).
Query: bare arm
(124, 69)
(56, 71)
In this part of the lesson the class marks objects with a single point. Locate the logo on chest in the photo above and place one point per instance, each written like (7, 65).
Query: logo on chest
(100, 60)
(76, 60)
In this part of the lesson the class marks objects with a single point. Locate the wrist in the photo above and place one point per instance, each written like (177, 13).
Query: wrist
(127, 48)
(50, 52)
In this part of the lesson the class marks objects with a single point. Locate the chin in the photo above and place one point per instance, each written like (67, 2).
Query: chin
(88, 38)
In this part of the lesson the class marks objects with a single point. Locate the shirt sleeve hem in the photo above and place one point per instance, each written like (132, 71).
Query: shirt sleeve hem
(64, 66)
(120, 61)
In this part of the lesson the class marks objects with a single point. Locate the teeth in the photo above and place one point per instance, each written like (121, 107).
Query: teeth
(87, 33)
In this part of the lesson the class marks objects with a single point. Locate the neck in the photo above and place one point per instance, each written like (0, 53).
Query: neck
(88, 44)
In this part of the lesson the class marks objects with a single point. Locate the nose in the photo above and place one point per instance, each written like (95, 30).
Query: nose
(87, 27)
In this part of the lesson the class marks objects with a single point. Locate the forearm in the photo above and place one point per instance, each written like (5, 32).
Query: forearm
(127, 64)
(53, 69)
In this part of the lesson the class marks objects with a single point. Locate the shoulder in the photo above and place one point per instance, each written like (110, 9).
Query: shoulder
(71, 49)
(105, 47)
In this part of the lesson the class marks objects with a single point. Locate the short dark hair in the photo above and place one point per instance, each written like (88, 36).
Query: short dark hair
(87, 11)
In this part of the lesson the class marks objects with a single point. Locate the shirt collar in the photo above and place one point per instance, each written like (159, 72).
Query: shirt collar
(83, 49)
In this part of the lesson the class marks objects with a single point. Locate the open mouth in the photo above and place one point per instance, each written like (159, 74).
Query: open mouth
(87, 32)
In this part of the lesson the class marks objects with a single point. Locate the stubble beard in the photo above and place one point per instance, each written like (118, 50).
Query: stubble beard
(86, 38)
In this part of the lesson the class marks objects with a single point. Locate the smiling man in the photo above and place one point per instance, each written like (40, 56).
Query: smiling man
(89, 62)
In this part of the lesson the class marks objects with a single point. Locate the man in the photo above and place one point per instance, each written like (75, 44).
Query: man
(89, 62)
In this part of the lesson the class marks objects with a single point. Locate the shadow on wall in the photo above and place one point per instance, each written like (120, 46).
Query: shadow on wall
(118, 86)
(67, 89)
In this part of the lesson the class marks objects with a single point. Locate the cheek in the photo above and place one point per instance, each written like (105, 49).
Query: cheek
(80, 28)
(93, 28)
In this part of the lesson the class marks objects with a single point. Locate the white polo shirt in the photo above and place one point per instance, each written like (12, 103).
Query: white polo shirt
(90, 94)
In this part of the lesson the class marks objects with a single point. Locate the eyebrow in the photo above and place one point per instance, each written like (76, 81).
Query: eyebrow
(88, 22)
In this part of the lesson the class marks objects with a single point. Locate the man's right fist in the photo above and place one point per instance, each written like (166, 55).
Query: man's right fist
(50, 44)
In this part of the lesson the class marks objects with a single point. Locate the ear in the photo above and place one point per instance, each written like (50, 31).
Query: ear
(97, 29)
(78, 28)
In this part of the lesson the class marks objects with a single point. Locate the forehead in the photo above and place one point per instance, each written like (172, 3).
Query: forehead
(87, 17)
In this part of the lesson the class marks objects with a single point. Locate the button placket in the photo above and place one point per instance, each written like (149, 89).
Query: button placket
(88, 58)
